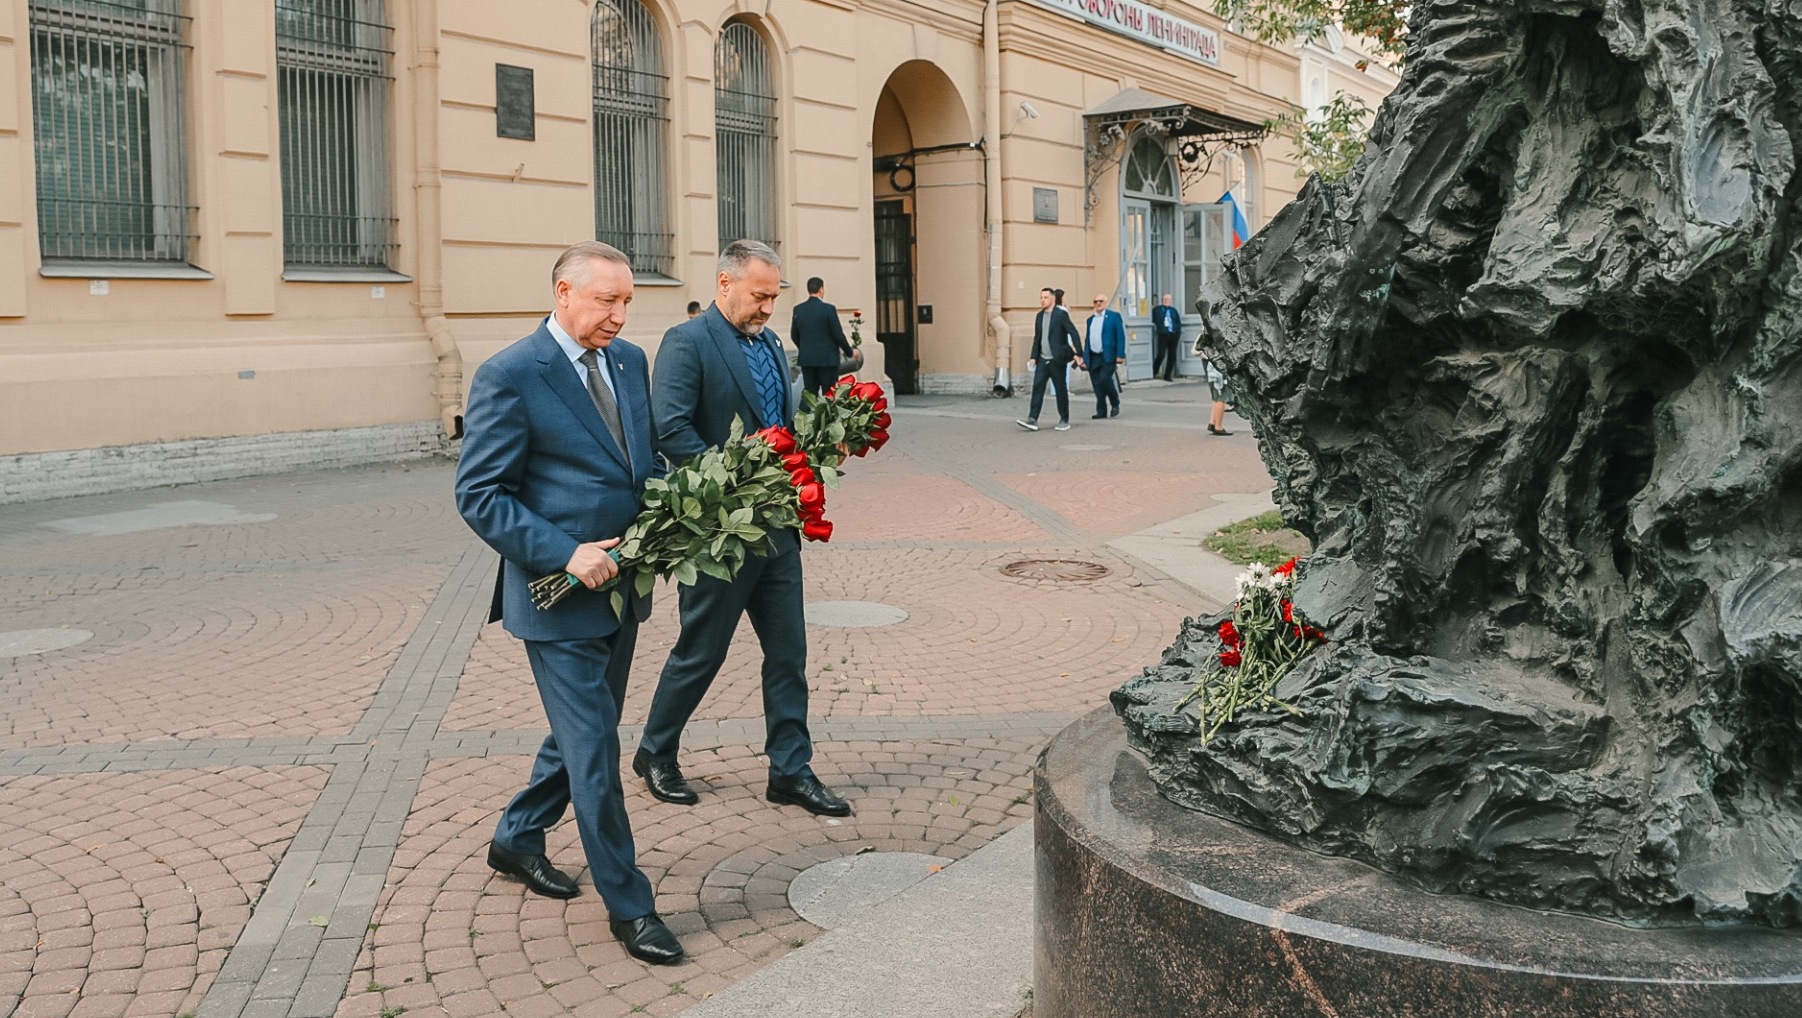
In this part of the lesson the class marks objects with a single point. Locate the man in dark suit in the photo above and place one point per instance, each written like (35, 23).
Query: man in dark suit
(815, 330)
(1054, 344)
(1166, 329)
(717, 367)
(1103, 354)
(556, 451)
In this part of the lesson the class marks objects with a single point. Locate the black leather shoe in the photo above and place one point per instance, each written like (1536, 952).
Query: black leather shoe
(1115, 412)
(1096, 417)
(664, 779)
(536, 871)
(647, 939)
(808, 794)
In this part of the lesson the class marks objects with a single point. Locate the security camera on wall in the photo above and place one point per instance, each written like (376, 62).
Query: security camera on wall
(1028, 111)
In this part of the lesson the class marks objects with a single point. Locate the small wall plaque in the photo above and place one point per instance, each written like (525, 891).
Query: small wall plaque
(925, 315)
(515, 112)
(1044, 204)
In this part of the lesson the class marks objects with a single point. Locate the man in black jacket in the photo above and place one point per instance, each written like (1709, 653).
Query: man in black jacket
(818, 337)
(1054, 342)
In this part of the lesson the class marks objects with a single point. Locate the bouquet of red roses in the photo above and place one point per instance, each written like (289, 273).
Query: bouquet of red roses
(712, 513)
(1259, 645)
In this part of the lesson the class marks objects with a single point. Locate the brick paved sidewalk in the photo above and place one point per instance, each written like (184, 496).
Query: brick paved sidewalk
(258, 773)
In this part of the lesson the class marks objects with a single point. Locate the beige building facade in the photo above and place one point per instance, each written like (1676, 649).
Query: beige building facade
(246, 234)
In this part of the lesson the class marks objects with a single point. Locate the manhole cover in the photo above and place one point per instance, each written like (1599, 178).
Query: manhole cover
(40, 641)
(1062, 570)
(837, 891)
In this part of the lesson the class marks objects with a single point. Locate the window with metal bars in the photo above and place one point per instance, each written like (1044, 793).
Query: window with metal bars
(631, 128)
(333, 86)
(107, 114)
(744, 125)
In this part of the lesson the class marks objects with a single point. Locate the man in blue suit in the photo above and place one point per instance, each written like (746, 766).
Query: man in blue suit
(1103, 353)
(710, 370)
(1166, 330)
(556, 451)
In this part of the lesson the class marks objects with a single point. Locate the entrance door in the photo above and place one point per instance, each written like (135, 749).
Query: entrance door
(1207, 238)
(1148, 253)
(895, 292)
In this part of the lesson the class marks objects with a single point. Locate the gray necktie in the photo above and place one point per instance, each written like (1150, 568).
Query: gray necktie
(602, 394)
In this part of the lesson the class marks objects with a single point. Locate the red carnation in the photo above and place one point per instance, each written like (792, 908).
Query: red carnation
(1229, 658)
(817, 530)
(1318, 636)
(1285, 569)
(1288, 611)
(1229, 634)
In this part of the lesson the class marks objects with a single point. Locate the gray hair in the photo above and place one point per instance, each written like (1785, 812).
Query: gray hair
(577, 261)
(741, 253)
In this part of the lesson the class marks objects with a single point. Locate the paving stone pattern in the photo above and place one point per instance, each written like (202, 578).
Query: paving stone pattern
(266, 784)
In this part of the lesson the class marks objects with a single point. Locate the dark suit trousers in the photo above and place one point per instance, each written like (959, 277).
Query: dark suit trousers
(1105, 379)
(769, 591)
(583, 685)
(1057, 373)
(1163, 355)
(818, 380)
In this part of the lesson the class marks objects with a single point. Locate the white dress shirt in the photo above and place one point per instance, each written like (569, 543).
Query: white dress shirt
(574, 351)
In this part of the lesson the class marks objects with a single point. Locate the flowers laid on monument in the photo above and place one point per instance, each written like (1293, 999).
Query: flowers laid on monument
(1258, 646)
(709, 515)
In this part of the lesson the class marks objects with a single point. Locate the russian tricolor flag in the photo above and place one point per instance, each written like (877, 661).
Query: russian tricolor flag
(1241, 231)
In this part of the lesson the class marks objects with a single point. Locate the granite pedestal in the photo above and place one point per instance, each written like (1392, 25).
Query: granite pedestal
(1145, 908)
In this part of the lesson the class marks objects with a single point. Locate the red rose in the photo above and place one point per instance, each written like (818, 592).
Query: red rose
(878, 438)
(846, 380)
(1229, 634)
(812, 495)
(817, 530)
(811, 512)
(1229, 658)
(794, 461)
(882, 420)
(1285, 569)
(879, 404)
(862, 450)
(867, 390)
(802, 476)
(779, 439)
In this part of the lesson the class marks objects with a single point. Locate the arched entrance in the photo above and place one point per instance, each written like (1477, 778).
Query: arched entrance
(1150, 252)
(927, 191)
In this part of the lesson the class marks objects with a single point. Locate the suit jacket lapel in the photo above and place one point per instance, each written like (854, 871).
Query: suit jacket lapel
(725, 339)
(561, 377)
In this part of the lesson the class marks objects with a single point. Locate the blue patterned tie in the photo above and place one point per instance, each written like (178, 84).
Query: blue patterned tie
(769, 383)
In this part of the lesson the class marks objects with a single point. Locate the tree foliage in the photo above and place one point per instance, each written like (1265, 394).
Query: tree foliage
(1330, 142)
(1383, 22)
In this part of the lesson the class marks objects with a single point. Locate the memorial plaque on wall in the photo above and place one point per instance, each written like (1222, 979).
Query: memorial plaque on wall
(514, 110)
(1044, 205)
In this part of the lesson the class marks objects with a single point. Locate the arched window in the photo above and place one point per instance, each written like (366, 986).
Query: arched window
(1148, 170)
(744, 123)
(631, 129)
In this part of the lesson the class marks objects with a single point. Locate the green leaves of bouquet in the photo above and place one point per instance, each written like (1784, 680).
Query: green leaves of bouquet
(706, 517)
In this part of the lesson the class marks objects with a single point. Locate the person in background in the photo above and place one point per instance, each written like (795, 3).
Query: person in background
(1103, 354)
(1166, 329)
(818, 337)
(694, 309)
(1054, 342)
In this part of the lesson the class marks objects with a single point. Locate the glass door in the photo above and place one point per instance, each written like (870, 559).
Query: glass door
(1207, 238)
(1136, 284)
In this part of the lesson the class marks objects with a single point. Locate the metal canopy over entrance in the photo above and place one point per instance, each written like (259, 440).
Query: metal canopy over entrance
(1202, 133)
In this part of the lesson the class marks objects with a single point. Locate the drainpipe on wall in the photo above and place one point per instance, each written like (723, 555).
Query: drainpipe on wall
(447, 377)
(991, 157)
